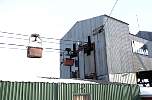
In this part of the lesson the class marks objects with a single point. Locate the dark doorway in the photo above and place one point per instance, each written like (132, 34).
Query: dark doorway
(144, 78)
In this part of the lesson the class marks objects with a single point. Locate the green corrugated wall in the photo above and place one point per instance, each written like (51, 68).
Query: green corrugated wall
(63, 91)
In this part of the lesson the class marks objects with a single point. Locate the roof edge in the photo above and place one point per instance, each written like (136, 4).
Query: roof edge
(115, 19)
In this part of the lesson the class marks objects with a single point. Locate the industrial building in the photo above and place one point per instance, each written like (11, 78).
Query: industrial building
(101, 48)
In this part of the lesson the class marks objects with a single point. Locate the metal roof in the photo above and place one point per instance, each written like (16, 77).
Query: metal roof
(102, 16)
(145, 35)
(116, 19)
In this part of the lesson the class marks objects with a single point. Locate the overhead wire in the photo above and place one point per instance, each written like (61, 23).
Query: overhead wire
(56, 43)
(60, 39)
(138, 22)
(50, 38)
(25, 35)
(107, 22)
(26, 49)
(13, 37)
(54, 50)
(28, 39)
(20, 45)
(13, 33)
(11, 48)
(101, 28)
(110, 12)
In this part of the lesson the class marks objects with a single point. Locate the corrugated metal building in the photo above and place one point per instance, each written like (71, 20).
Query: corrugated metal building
(142, 58)
(112, 56)
(145, 35)
(67, 91)
(142, 62)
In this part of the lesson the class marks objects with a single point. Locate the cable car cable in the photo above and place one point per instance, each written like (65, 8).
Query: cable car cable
(26, 49)
(12, 44)
(40, 37)
(111, 12)
(28, 39)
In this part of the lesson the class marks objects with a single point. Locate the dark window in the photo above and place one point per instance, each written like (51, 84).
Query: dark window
(144, 78)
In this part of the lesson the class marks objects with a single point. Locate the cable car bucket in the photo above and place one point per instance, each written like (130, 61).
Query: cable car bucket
(68, 62)
(34, 49)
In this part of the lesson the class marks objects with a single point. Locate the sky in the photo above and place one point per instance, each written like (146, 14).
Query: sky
(52, 19)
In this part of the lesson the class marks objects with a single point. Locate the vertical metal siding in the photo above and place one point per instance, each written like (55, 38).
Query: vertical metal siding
(27, 91)
(87, 27)
(118, 47)
(80, 31)
(113, 47)
(63, 91)
(90, 63)
(129, 78)
(101, 60)
(65, 70)
(99, 91)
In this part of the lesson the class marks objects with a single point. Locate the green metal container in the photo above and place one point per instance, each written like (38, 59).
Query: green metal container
(69, 91)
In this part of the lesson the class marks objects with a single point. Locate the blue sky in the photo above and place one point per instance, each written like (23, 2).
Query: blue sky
(53, 18)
